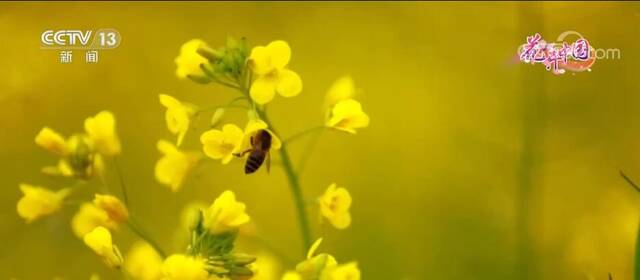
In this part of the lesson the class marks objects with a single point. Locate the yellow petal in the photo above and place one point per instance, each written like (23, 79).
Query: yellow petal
(347, 115)
(99, 240)
(349, 271)
(225, 214)
(113, 206)
(51, 141)
(181, 267)
(178, 116)
(166, 147)
(174, 166)
(260, 60)
(263, 89)
(289, 83)
(88, 217)
(221, 144)
(169, 101)
(189, 60)
(280, 53)
(38, 202)
(341, 221)
(101, 130)
(334, 206)
(143, 262)
(341, 89)
(291, 275)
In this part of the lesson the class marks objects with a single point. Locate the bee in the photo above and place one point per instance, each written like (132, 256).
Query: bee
(260, 146)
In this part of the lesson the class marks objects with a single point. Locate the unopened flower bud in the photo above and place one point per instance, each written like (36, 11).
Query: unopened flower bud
(209, 53)
(113, 206)
(217, 116)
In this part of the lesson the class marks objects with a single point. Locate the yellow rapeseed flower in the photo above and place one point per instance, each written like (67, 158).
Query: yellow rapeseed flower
(347, 115)
(89, 217)
(175, 165)
(269, 65)
(291, 275)
(222, 144)
(178, 115)
(266, 267)
(101, 130)
(189, 60)
(342, 89)
(113, 207)
(348, 271)
(143, 262)
(38, 202)
(181, 267)
(80, 160)
(314, 266)
(334, 205)
(52, 141)
(225, 214)
(323, 267)
(190, 215)
(250, 131)
(99, 240)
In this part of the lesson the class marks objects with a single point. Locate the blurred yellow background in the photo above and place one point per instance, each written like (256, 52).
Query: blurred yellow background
(474, 166)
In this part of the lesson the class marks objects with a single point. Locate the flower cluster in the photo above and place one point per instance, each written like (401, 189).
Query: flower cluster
(257, 76)
(81, 158)
(81, 155)
(323, 267)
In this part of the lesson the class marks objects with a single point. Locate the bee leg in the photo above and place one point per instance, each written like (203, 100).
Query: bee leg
(243, 153)
(268, 162)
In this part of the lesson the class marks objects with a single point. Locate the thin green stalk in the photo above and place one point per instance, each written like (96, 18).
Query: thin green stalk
(125, 197)
(146, 238)
(292, 176)
(296, 189)
(629, 181)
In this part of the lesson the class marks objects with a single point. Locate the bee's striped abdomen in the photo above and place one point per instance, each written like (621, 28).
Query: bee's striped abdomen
(255, 159)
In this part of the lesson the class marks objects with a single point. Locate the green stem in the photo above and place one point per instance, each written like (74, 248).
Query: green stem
(292, 176)
(296, 189)
(146, 238)
(125, 197)
(631, 183)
